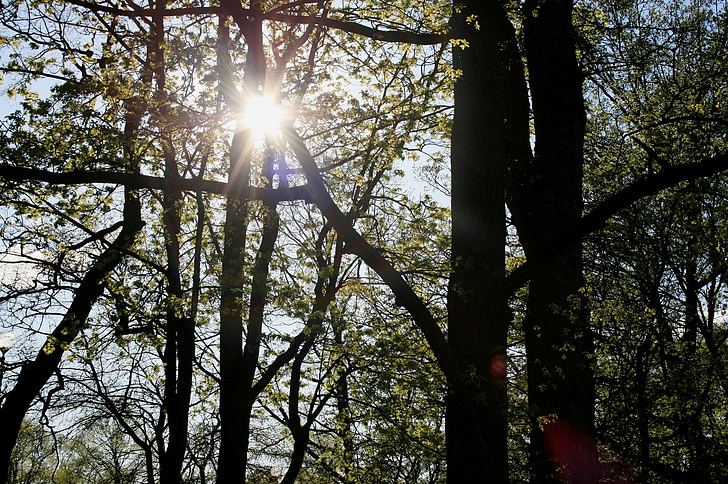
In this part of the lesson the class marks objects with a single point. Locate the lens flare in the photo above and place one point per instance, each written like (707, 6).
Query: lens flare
(263, 115)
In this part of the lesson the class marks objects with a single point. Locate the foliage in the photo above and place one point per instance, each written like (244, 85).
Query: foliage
(100, 454)
(255, 287)
(656, 281)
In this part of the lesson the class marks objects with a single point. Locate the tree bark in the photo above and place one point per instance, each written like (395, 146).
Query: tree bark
(491, 116)
(558, 338)
(232, 460)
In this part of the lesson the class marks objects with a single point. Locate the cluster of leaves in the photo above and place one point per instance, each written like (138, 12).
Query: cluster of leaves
(340, 369)
(118, 368)
(656, 272)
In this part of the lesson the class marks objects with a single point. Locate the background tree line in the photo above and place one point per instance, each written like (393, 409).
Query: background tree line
(194, 300)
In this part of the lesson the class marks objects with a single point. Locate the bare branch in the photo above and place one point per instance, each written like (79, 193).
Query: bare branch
(595, 220)
(137, 181)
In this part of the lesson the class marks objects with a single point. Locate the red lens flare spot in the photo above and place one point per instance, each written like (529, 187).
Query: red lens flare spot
(498, 367)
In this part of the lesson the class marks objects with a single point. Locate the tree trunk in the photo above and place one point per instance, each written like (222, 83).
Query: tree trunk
(234, 407)
(491, 110)
(232, 457)
(179, 349)
(557, 334)
(491, 138)
(345, 425)
(258, 293)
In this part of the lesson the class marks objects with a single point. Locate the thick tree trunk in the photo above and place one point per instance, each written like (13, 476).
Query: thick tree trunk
(491, 138)
(234, 396)
(233, 436)
(491, 111)
(558, 338)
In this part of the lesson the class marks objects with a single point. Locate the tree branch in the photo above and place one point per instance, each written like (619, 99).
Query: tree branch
(356, 244)
(598, 216)
(137, 181)
(172, 12)
(351, 27)
(355, 28)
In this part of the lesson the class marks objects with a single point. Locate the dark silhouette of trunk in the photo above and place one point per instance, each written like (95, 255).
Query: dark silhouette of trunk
(694, 390)
(234, 404)
(491, 116)
(345, 425)
(642, 362)
(558, 338)
(300, 432)
(179, 349)
(492, 163)
(258, 294)
(231, 322)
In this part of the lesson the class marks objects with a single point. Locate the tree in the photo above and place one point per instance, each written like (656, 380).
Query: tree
(664, 314)
(655, 269)
(96, 455)
(491, 137)
(168, 316)
(517, 139)
(35, 374)
(32, 455)
(542, 189)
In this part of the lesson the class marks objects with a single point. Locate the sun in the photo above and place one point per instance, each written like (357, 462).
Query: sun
(263, 115)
